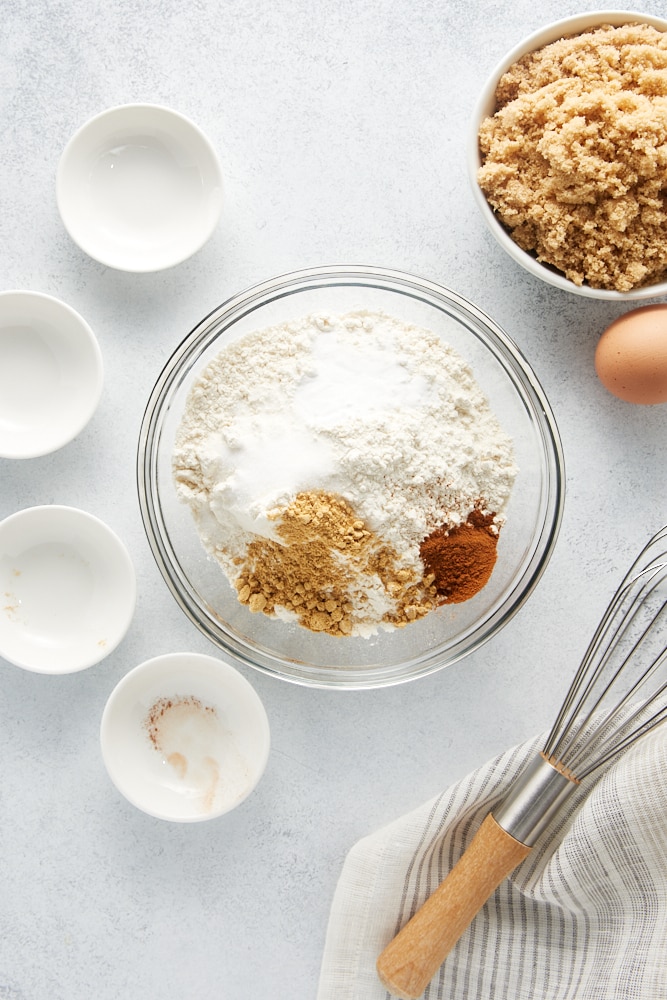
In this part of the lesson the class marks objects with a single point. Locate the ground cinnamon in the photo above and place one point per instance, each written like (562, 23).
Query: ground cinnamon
(461, 558)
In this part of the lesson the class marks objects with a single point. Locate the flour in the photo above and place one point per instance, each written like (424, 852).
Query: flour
(363, 407)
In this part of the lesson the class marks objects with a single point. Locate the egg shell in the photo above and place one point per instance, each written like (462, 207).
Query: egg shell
(631, 356)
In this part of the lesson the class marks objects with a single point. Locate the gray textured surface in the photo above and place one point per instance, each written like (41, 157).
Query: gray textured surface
(340, 128)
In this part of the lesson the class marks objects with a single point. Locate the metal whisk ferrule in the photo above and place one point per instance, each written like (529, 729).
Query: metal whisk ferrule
(535, 798)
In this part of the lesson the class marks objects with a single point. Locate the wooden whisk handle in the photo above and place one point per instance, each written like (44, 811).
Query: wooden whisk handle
(409, 962)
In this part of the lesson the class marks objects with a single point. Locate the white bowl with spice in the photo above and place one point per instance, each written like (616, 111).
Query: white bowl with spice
(139, 187)
(185, 737)
(349, 477)
(51, 374)
(564, 154)
(68, 589)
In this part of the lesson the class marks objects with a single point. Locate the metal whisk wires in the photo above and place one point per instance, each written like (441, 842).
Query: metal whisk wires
(619, 691)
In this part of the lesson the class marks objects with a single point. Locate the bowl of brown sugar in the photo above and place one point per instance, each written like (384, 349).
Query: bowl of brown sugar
(566, 154)
(349, 477)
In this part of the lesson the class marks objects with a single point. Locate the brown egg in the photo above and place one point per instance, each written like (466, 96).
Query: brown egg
(631, 356)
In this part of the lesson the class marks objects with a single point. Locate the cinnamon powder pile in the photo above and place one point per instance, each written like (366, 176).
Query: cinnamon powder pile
(462, 558)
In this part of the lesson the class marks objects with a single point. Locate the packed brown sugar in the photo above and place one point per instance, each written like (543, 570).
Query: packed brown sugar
(574, 159)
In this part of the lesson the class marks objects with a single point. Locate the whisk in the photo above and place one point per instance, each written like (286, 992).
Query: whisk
(617, 695)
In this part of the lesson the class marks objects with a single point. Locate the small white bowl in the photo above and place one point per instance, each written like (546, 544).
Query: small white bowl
(486, 106)
(139, 188)
(67, 589)
(185, 737)
(51, 374)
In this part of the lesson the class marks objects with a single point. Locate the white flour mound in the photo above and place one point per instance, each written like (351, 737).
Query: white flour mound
(379, 412)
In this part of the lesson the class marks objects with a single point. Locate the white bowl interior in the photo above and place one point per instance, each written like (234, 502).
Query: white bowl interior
(442, 636)
(486, 106)
(185, 737)
(139, 188)
(68, 589)
(51, 374)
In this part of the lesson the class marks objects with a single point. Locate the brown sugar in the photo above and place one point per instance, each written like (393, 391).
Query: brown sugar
(574, 160)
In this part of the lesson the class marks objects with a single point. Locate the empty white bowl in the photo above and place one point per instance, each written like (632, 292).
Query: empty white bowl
(67, 589)
(51, 374)
(139, 188)
(486, 107)
(185, 737)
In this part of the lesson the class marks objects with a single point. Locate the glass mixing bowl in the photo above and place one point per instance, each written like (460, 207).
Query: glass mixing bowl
(288, 650)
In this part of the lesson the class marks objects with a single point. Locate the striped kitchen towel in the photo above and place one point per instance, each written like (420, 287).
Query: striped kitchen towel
(584, 917)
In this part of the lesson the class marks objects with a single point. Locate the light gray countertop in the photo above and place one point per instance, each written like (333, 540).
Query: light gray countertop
(341, 129)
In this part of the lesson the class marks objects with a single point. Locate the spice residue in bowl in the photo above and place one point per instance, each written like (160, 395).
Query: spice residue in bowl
(574, 159)
(196, 748)
(331, 462)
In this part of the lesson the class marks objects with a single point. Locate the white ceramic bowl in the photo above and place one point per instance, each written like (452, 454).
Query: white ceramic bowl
(67, 589)
(139, 188)
(486, 107)
(185, 737)
(51, 374)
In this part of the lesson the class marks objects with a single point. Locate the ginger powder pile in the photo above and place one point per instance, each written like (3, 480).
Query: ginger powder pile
(574, 160)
